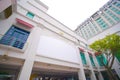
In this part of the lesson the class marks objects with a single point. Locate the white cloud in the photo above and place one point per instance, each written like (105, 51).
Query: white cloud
(73, 12)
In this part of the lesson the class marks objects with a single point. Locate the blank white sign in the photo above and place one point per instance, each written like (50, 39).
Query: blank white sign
(58, 49)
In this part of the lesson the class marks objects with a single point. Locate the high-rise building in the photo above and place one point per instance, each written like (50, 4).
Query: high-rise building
(107, 17)
(36, 46)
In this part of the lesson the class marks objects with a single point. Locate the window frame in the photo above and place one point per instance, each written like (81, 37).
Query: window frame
(30, 15)
(15, 38)
(83, 58)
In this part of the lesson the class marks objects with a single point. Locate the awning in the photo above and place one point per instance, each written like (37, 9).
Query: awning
(24, 23)
(90, 53)
(97, 53)
(82, 50)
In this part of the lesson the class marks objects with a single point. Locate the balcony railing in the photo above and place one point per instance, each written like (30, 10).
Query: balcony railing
(13, 41)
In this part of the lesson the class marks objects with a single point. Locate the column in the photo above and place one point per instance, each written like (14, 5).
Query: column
(90, 65)
(97, 65)
(30, 55)
(81, 73)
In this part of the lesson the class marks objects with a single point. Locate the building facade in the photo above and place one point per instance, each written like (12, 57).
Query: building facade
(108, 16)
(35, 46)
(102, 23)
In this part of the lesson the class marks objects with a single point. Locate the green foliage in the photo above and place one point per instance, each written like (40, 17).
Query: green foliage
(110, 42)
(110, 46)
(118, 55)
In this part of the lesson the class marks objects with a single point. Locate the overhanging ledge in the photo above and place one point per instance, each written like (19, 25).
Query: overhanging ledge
(24, 23)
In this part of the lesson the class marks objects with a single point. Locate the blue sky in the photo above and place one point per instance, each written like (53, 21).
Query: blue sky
(73, 12)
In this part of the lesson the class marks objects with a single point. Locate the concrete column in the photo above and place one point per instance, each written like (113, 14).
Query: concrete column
(93, 77)
(97, 65)
(30, 55)
(100, 76)
(81, 73)
(90, 65)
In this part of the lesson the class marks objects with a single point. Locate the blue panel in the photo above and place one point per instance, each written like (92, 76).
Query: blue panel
(15, 37)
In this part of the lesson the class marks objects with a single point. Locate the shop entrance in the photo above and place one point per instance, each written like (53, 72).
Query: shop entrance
(9, 72)
(105, 75)
(87, 74)
(53, 75)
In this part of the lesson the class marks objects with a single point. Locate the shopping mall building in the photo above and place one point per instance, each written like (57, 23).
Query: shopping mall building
(36, 46)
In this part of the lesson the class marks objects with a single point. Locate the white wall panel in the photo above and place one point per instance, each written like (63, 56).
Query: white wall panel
(58, 49)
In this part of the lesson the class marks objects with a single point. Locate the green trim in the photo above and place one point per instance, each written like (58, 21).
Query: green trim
(83, 58)
(92, 61)
(118, 55)
(30, 15)
(101, 57)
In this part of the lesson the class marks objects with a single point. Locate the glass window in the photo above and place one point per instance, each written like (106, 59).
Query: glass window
(115, 10)
(91, 59)
(15, 37)
(30, 15)
(83, 58)
(101, 59)
(112, 15)
(101, 23)
(91, 28)
(96, 28)
(108, 19)
(117, 4)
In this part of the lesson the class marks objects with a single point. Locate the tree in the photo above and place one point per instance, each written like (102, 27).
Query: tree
(110, 45)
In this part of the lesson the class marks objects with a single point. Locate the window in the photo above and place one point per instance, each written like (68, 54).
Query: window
(117, 4)
(96, 28)
(83, 58)
(15, 37)
(91, 59)
(108, 19)
(91, 29)
(30, 15)
(101, 23)
(101, 59)
(115, 10)
(112, 15)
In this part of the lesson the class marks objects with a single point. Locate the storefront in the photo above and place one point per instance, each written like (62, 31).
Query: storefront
(9, 72)
(53, 75)
(88, 74)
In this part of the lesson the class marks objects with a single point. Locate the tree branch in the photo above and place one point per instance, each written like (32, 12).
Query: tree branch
(113, 57)
(109, 60)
